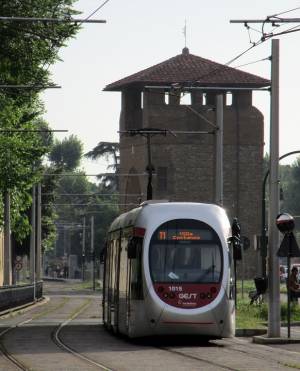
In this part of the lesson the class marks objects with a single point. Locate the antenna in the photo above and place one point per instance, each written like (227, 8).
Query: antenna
(184, 33)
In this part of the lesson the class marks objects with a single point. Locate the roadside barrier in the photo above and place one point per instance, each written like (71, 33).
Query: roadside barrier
(14, 296)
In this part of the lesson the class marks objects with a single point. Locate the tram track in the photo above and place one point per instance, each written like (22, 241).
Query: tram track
(55, 337)
(240, 347)
(7, 355)
(5, 352)
(197, 358)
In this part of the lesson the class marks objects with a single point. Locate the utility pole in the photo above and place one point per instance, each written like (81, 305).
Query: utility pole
(274, 284)
(93, 251)
(33, 243)
(148, 133)
(38, 232)
(219, 151)
(150, 169)
(7, 279)
(83, 251)
(273, 238)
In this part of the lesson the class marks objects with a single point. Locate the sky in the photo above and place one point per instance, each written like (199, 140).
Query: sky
(141, 33)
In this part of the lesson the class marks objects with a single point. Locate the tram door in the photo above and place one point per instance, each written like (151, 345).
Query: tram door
(135, 281)
(124, 279)
(113, 282)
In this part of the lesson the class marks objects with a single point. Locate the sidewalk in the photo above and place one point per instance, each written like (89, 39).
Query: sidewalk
(283, 339)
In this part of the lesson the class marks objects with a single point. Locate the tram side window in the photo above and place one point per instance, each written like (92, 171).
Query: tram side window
(111, 273)
(107, 269)
(136, 282)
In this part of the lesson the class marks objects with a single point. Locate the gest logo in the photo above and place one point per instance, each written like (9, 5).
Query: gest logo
(187, 296)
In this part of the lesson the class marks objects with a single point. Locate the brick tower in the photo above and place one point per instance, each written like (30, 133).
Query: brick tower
(184, 165)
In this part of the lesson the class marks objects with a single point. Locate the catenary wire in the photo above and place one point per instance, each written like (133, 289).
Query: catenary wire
(257, 61)
(284, 12)
(254, 44)
(96, 10)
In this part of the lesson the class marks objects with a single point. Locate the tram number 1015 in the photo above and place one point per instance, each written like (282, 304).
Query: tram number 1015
(175, 288)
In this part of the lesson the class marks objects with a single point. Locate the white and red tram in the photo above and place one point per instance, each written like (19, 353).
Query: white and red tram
(168, 271)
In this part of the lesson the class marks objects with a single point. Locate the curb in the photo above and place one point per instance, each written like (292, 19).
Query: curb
(249, 332)
(24, 307)
(266, 340)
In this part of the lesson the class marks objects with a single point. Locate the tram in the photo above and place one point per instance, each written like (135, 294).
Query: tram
(167, 270)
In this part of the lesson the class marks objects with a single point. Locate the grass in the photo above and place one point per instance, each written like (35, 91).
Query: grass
(256, 316)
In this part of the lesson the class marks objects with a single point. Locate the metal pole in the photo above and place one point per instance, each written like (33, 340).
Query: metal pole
(83, 251)
(93, 251)
(263, 251)
(263, 216)
(288, 289)
(50, 20)
(219, 151)
(39, 233)
(235, 285)
(33, 241)
(7, 279)
(273, 262)
(149, 186)
(243, 269)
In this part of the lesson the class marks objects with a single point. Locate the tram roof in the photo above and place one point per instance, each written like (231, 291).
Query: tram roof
(129, 218)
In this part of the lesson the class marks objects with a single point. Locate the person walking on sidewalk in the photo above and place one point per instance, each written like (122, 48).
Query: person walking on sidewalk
(294, 285)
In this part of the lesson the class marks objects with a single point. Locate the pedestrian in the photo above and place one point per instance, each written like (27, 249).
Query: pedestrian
(293, 285)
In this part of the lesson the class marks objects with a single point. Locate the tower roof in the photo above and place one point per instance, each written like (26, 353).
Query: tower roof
(189, 70)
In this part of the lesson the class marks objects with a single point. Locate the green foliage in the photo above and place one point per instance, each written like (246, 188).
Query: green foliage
(250, 316)
(67, 153)
(26, 51)
(77, 198)
(107, 150)
(256, 316)
(20, 154)
(27, 48)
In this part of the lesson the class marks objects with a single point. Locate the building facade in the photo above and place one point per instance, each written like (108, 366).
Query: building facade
(178, 96)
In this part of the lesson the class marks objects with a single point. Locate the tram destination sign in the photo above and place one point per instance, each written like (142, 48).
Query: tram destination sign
(184, 235)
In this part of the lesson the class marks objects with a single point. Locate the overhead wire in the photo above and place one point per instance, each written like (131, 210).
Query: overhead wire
(284, 12)
(97, 10)
(257, 61)
(253, 45)
(290, 30)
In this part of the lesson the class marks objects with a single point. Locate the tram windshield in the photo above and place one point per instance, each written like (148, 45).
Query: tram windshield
(186, 251)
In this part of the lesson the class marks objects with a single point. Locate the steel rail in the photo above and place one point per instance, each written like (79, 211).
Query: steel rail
(196, 358)
(6, 354)
(61, 344)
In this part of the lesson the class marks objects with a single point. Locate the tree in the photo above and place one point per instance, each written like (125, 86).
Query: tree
(19, 152)
(26, 51)
(67, 153)
(27, 48)
(107, 150)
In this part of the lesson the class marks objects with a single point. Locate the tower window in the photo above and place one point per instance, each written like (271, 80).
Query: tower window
(185, 99)
(167, 98)
(228, 99)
